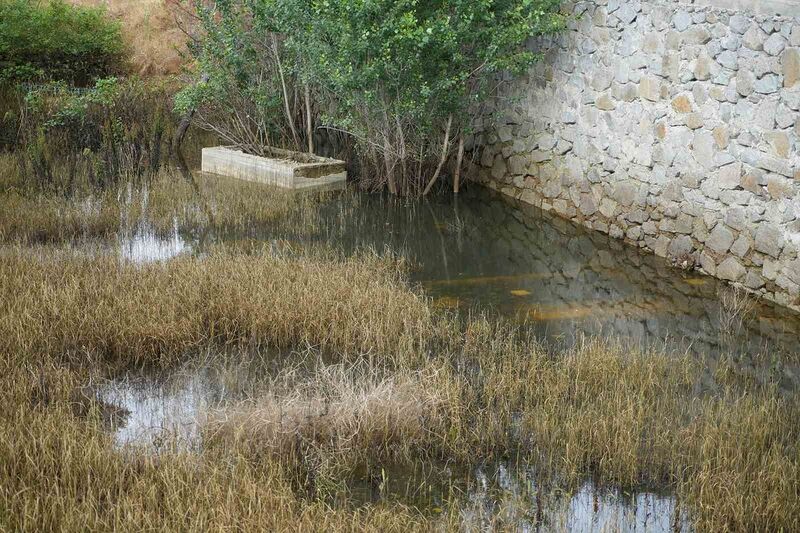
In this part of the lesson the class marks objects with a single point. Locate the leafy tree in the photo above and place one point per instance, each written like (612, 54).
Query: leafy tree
(57, 41)
(401, 77)
(245, 94)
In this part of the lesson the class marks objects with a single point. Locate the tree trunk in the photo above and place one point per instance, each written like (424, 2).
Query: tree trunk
(443, 158)
(186, 121)
(286, 108)
(309, 130)
(459, 160)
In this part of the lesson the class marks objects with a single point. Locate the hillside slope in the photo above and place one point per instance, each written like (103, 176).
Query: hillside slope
(152, 32)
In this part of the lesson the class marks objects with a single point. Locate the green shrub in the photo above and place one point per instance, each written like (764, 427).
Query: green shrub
(401, 78)
(403, 75)
(69, 138)
(57, 41)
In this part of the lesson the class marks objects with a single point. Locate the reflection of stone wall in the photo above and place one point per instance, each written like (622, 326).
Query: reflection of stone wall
(670, 125)
(628, 294)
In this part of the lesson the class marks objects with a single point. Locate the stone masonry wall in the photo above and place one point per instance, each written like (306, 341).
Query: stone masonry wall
(672, 125)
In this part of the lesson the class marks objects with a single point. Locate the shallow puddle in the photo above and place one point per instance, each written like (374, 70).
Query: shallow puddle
(158, 414)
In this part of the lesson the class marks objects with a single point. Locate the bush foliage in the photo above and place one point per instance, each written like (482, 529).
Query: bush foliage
(56, 41)
(399, 77)
(70, 138)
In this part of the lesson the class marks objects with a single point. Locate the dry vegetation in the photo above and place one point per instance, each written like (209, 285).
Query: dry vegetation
(151, 31)
(391, 381)
(405, 384)
(30, 215)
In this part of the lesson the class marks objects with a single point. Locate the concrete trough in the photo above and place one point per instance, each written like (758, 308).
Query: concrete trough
(287, 169)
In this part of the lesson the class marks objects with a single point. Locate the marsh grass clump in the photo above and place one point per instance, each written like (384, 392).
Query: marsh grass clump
(61, 472)
(169, 199)
(400, 382)
(57, 303)
(341, 415)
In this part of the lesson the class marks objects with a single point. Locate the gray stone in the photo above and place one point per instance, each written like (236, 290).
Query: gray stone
(517, 164)
(499, 167)
(728, 60)
(742, 245)
(720, 240)
(745, 80)
(754, 38)
(730, 176)
(703, 149)
(602, 80)
(697, 35)
(608, 207)
(766, 85)
(681, 20)
(763, 161)
(702, 68)
(792, 271)
(753, 281)
(587, 205)
(732, 42)
(730, 269)
(625, 193)
(539, 156)
(626, 14)
(739, 24)
(735, 217)
(650, 88)
(765, 114)
(680, 247)
(775, 44)
(769, 240)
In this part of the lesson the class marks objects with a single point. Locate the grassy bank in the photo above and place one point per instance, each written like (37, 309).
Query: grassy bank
(399, 383)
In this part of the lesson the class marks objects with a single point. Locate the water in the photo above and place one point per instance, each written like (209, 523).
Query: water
(485, 251)
(161, 412)
(482, 251)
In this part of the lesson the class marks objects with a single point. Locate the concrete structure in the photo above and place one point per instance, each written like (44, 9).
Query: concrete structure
(670, 124)
(291, 170)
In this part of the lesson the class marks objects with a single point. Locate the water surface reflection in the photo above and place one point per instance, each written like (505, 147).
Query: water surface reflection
(485, 251)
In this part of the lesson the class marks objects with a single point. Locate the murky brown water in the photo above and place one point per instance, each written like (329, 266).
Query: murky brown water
(483, 251)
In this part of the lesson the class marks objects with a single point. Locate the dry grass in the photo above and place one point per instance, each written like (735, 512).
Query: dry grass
(150, 29)
(348, 413)
(199, 203)
(61, 473)
(401, 383)
(52, 302)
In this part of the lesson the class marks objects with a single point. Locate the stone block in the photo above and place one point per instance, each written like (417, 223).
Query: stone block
(775, 44)
(769, 240)
(682, 104)
(650, 88)
(729, 176)
(720, 239)
(790, 64)
(290, 170)
(731, 270)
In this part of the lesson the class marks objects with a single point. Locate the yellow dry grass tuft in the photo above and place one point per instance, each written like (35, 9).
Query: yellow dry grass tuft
(53, 302)
(347, 410)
